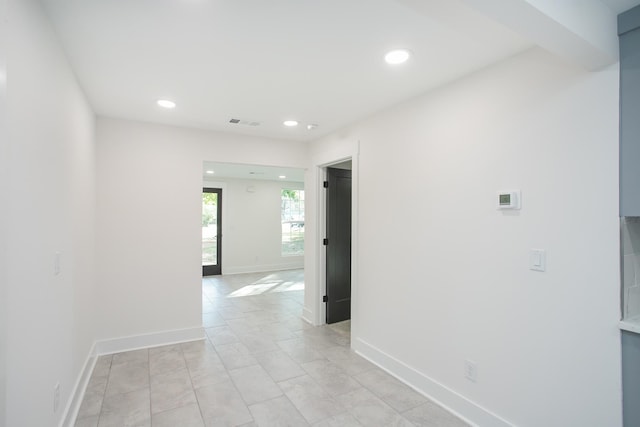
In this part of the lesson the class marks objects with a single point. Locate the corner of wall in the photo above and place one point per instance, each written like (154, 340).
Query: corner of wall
(156, 339)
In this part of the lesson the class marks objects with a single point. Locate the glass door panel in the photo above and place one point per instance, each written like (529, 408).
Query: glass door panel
(211, 231)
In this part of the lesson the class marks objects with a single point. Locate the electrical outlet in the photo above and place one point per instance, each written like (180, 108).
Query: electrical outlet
(471, 370)
(56, 397)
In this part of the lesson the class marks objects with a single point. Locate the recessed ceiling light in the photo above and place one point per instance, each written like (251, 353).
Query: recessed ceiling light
(210, 172)
(312, 126)
(282, 177)
(290, 123)
(397, 56)
(165, 103)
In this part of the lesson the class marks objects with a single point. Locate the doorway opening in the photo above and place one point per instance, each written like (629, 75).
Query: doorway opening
(211, 231)
(338, 247)
(258, 249)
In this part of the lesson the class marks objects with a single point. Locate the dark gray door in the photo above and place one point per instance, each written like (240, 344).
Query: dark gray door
(338, 245)
(211, 231)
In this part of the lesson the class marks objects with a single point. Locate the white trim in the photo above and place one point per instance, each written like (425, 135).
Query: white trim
(321, 255)
(307, 316)
(449, 399)
(77, 394)
(156, 339)
(355, 238)
(265, 267)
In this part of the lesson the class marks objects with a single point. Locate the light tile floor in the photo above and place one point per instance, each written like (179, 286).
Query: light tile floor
(261, 365)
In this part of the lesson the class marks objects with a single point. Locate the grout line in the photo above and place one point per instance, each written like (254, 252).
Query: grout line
(193, 388)
(106, 386)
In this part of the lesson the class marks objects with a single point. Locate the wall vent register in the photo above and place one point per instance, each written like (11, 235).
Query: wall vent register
(244, 122)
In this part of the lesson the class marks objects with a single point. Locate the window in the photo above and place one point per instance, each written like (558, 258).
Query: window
(292, 215)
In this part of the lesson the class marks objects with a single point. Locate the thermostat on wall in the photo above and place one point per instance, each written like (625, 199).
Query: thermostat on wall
(509, 200)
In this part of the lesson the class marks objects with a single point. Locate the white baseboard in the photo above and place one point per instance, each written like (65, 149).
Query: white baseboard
(75, 399)
(156, 339)
(449, 399)
(263, 268)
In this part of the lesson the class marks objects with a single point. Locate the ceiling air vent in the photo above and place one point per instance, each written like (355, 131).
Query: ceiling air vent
(244, 122)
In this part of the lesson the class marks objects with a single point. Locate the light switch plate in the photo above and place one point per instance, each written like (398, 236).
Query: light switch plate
(538, 260)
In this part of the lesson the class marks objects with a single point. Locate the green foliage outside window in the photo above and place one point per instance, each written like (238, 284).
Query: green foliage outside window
(292, 222)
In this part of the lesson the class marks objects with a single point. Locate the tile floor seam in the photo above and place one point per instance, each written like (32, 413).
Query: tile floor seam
(194, 388)
(292, 404)
(104, 391)
(104, 394)
(290, 378)
(236, 386)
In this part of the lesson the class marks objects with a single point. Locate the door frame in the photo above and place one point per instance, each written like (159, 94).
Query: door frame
(214, 270)
(320, 315)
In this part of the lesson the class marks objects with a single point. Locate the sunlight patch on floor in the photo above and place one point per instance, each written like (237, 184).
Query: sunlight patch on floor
(259, 288)
(289, 286)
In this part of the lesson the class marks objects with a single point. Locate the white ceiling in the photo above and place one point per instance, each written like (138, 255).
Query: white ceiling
(313, 61)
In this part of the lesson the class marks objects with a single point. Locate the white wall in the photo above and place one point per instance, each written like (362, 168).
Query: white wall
(149, 219)
(443, 275)
(4, 190)
(251, 226)
(51, 208)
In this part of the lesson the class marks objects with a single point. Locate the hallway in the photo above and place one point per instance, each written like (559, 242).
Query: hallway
(261, 365)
